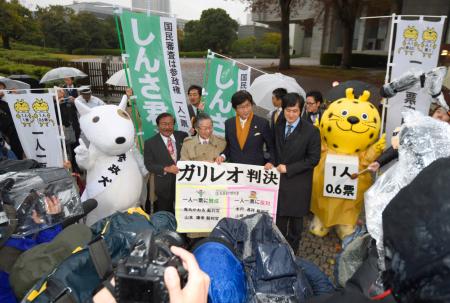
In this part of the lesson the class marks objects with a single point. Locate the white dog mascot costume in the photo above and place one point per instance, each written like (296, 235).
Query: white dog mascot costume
(114, 167)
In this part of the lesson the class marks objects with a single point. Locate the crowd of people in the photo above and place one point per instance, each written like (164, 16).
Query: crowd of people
(287, 140)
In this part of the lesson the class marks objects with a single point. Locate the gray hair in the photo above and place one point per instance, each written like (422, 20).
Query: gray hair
(201, 117)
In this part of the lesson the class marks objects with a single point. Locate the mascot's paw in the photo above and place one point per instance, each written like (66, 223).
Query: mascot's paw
(81, 150)
(317, 228)
(380, 145)
(344, 230)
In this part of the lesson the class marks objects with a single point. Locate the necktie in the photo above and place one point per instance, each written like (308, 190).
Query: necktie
(289, 130)
(275, 117)
(171, 150)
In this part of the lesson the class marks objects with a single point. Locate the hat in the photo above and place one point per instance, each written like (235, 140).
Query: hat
(85, 89)
(416, 230)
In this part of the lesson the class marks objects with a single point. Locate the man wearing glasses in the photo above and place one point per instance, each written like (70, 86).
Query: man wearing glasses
(313, 112)
(205, 146)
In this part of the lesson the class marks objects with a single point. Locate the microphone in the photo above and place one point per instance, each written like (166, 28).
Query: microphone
(88, 206)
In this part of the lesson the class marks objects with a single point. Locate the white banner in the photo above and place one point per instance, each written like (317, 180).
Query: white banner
(338, 172)
(35, 120)
(207, 192)
(244, 78)
(173, 71)
(417, 47)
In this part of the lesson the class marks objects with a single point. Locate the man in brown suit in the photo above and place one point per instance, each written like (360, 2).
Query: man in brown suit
(204, 146)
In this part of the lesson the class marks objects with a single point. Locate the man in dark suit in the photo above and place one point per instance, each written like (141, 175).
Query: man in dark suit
(161, 153)
(71, 92)
(246, 134)
(297, 153)
(195, 105)
(276, 114)
(313, 111)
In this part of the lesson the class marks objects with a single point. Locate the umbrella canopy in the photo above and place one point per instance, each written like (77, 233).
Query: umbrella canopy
(263, 86)
(359, 87)
(61, 73)
(33, 82)
(119, 78)
(11, 84)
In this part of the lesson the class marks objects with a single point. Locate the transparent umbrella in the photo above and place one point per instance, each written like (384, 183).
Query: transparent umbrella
(14, 84)
(262, 87)
(61, 73)
(119, 78)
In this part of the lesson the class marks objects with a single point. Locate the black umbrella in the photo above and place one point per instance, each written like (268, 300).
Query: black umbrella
(359, 87)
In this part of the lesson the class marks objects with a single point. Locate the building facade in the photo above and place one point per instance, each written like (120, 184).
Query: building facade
(314, 28)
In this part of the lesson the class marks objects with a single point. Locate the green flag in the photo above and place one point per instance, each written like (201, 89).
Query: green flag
(224, 78)
(152, 46)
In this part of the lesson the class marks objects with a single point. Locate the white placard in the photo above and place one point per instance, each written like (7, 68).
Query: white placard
(338, 182)
(207, 192)
(417, 47)
(35, 120)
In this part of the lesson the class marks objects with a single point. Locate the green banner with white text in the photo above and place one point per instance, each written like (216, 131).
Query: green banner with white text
(224, 78)
(152, 48)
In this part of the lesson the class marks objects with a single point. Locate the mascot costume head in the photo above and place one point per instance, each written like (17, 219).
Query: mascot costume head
(113, 178)
(349, 127)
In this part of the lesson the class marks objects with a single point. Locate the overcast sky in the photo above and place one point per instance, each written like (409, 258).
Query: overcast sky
(185, 9)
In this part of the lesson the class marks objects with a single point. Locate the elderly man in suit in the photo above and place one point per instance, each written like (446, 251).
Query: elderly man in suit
(297, 153)
(161, 153)
(205, 146)
(246, 134)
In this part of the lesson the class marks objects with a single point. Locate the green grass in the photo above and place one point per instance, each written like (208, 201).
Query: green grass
(19, 52)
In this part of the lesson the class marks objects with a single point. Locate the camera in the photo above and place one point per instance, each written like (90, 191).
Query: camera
(140, 276)
(431, 81)
(35, 200)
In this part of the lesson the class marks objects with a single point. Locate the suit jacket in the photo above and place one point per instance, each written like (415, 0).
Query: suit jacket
(300, 152)
(281, 119)
(156, 157)
(71, 92)
(307, 116)
(194, 151)
(191, 110)
(253, 152)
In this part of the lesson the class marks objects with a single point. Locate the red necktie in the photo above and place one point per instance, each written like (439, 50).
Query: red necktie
(171, 150)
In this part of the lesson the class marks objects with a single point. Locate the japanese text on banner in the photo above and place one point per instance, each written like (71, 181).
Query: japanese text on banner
(224, 79)
(206, 193)
(151, 43)
(417, 46)
(338, 182)
(35, 121)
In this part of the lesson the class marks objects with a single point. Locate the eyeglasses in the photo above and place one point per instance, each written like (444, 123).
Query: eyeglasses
(311, 103)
